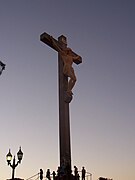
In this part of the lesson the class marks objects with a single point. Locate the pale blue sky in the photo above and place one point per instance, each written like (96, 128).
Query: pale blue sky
(103, 109)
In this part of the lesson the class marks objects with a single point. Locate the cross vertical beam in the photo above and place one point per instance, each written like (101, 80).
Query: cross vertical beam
(64, 119)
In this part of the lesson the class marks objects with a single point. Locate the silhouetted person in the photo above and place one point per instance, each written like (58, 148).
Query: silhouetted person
(83, 173)
(2, 67)
(58, 172)
(78, 177)
(48, 174)
(76, 172)
(54, 174)
(41, 174)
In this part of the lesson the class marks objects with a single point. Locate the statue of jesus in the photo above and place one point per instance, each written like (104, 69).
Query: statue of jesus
(68, 59)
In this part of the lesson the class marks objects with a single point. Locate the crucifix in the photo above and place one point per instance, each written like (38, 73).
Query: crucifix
(67, 79)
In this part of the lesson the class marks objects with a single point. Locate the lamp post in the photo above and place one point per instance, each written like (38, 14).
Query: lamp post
(14, 164)
(2, 67)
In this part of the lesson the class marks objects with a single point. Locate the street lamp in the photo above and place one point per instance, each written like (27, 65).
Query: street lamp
(14, 164)
(2, 67)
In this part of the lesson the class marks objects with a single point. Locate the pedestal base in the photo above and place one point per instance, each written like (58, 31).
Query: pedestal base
(66, 177)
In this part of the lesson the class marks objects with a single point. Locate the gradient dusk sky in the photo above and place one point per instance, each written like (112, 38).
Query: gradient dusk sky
(102, 112)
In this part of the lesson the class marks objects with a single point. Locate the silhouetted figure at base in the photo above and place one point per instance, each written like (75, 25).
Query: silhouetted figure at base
(76, 173)
(83, 173)
(54, 174)
(58, 172)
(41, 174)
(48, 174)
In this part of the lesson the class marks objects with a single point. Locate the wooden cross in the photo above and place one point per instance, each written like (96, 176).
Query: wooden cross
(64, 119)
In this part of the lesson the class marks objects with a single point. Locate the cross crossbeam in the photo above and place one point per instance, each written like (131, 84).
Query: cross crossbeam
(46, 38)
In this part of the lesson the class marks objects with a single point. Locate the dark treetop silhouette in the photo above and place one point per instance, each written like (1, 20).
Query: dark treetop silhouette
(2, 67)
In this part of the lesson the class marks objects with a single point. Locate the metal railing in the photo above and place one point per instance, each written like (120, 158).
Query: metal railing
(88, 176)
(34, 177)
